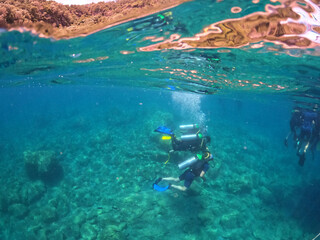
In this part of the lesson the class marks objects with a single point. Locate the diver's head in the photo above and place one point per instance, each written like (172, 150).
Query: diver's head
(207, 156)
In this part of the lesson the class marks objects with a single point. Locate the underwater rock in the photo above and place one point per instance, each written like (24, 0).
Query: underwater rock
(42, 234)
(101, 141)
(43, 165)
(61, 202)
(88, 231)
(266, 195)
(79, 218)
(49, 214)
(3, 204)
(216, 168)
(241, 184)
(19, 192)
(56, 235)
(230, 221)
(71, 231)
(136, 188)
(12, 194)
(205, 217)
(18, 210)
(112, 232)
(31, 192)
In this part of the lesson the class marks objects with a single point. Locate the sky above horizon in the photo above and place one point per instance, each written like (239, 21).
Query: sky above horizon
(80, 2)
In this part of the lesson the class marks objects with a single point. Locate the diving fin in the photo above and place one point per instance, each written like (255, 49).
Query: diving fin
(158, 180)
(164, 130)
(158, 188)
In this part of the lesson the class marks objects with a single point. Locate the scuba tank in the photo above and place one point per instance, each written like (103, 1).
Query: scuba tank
(189, 162)
(191, 137)
(189, 127)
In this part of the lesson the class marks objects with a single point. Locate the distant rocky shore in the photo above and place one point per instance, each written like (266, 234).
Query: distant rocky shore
(52, 19)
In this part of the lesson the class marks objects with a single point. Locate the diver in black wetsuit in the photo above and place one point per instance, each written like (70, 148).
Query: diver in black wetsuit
(309, 134)
(196, 143)
(295, 124)
(197, 168)
(192, 140)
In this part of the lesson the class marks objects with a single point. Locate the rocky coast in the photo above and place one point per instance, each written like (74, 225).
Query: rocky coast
(52, 19)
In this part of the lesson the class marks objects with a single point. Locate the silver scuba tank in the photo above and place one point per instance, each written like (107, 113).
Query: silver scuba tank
(189, 127)
(187, 163)
(191, 137)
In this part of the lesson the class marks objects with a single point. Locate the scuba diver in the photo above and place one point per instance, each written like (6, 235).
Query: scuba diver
(309, 134)
(295, 124)
(197, 167)
(191, 140)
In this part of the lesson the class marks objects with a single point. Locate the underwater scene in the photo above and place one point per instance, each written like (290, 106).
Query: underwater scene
(201, 121)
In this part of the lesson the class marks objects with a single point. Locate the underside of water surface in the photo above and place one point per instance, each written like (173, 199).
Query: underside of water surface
(78, 150)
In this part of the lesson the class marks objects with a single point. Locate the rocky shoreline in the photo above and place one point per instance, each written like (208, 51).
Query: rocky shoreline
(54, 20)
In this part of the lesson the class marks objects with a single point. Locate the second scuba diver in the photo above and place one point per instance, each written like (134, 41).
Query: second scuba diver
(197, 167)
(305, 127)
(309, 134)
(191, 140)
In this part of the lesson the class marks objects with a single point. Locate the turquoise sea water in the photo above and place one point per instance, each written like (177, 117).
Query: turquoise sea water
(92, 108)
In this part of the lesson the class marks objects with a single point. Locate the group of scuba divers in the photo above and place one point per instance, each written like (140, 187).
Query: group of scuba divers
(305, 130)
(191, 140)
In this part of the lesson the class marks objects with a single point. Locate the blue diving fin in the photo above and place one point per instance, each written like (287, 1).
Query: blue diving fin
(165, 130)
(158, 188)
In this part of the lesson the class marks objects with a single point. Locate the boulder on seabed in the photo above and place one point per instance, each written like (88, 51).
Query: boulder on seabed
(43, 165)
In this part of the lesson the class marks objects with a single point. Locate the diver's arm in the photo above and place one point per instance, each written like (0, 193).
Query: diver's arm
(204, 170)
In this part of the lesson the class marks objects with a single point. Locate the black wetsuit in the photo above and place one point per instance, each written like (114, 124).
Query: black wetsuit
(193, 145)
(309, 133)
(194, 171)
(308, 125)
(295, 123)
